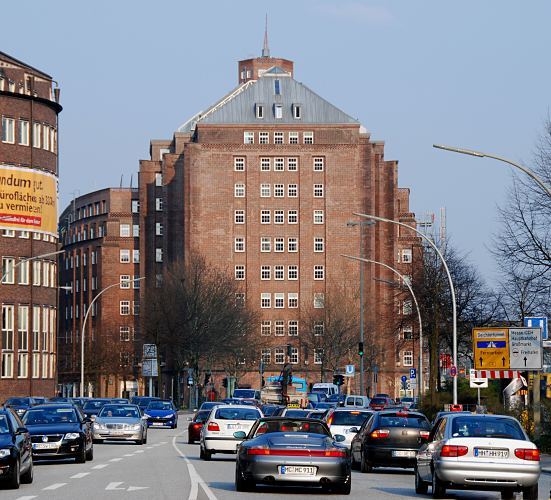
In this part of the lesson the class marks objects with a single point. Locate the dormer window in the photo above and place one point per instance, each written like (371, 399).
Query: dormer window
(278, 111)
(297, 111)
(242, 74)
(277, 87)
(260, 111)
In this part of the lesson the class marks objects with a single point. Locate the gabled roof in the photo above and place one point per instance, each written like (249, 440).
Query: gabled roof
(239, 107)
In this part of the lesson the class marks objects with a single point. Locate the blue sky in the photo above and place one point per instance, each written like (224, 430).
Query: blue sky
(469, 73)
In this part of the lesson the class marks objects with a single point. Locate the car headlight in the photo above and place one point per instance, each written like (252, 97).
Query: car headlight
(170, 415)
(146, 415)
(135, 427)
(4, 453)
(98, 425)
(72, 435)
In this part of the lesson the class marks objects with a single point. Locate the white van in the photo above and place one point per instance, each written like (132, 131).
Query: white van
(325, 388)
(356, 401)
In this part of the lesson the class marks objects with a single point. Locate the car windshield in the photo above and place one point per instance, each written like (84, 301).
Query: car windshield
(160, 405)
(119, 411)
(352, 418)
(244, 393)
(317, 415)
(378, 401)
(50, 416)
(496, 427)
(296, 413)
(403, 420)
(4, 427)
(94, 405)
(201, 416)
(290, 425)
(17, 401)
(237, 414)
(324, 406)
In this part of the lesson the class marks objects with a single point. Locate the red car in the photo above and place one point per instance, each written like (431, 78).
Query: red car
(195, 426)
(380, 403)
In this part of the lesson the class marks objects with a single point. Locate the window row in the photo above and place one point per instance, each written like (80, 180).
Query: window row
(44, 273)
(11, 233)
(124, 306)
(279, 272)
(43, 135)
(83, 233)
(278, 191)
(27, 86)
(280, 353)
(77, 259)
(278, 327)
(69, 309)
(278, 164)
(278, 245)
(129, 230)
(43, 365)
(124, 255)
(96, 208)
(278, 300)
(278, 137)
(278, 110)
(43, 328)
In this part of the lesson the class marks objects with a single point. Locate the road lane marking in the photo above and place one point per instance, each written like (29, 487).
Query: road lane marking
(100, 466)
(115, 486)
(149, 448)
(30, 497)
(136, 488)
(80, 475)
(54, 486)
(196, 479)
(115, 460)
(139, 451)
(129, 455)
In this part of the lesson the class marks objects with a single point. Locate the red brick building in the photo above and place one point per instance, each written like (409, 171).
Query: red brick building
(100, 235)
(263, 183)
(29, 108)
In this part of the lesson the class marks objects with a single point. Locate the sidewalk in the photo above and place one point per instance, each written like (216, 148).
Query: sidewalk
(545, 461)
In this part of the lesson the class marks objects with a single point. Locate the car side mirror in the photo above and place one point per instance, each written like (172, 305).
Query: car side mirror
(239, 435)
(22, 430)
(353, 429)
(339, 438)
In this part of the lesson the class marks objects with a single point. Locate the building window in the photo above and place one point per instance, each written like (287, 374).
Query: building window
(7, 364)
(278, 111)
(292, 301)
(23, 132)
(318, 190)
(292, 245)
(124, 230)
(294, 356)
(407, 357)
(124, 333)
(24, 267)
(319, 163)
(319, 273)
(279, 328)
(297, 111)
(259, 111)
(318, 356)
(265, 300)
(8, 270)
(406, 307)
(264, 164)
(125, 281)
(248, 138)
(279, 164)
(293, 137)
(158, 179)
(239, 244)
(292, 328)
(135, 206)
(266, 328)
(265, 244)
(318, 328)
(308, 137)
(279, 190)
(264, 190)
(263, 138)
(8, 130)
(319, 245)
(279, 216)
(279, 300)
(158, 255)
(407, 333)
(265, 272)
(159, 204)
(279, 355)
(407, 256)
(277, 87)
(292, 164)
(279, 273)
(239, 164)
(124, 307)
(292, 190)
(239, 272)
(135, 307)
(266, 356)
(136, 230)
(265, 216)
(318, 216)
(124, 256)
(239, 216)
(46, 137)
(7, 327)
(37, 266)
(22, 365)
(292, 217)
(279, 244)
(240, 299)
(10, 233)
(278, 137)
(239, 190)
(135, 256)
(292, 273)
(319, 300)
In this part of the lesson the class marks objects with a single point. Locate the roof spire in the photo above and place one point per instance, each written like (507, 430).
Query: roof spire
(266, 48)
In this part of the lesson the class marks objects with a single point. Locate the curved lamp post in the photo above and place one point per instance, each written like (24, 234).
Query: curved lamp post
(404, 279)
(452, 289)
(84, 329)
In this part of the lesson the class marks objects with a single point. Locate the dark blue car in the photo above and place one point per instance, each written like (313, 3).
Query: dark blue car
(161, 413)
(16, 459)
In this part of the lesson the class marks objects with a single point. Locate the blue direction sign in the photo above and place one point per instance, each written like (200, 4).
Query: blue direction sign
(404, 378)
(537, 322)
(413, 373)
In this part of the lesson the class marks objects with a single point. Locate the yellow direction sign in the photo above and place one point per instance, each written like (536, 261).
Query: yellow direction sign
(491, 348)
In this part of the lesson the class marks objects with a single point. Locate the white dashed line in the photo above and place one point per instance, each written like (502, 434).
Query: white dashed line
(115, 460)
(149, 448)
(80, 475)
(129, 455)
(100, 466)
(54, 486)
(139, 451)
(26, 498)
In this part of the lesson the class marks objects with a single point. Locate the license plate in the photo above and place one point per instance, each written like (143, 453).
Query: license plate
(234, 426)
(116, 433)
(296, 470)
(403, 453)
(45, 446)
(158, 423)
(490, 453)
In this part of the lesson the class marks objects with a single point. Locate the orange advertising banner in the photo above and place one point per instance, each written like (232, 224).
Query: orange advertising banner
(28, 200)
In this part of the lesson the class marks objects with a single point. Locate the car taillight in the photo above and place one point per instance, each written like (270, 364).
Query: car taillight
(258, 451)
(197, 426)
(330, 420)
(424, 434)
(213, 426)
(528, 454)
(380, 433)
(297, 453)
(453, 451)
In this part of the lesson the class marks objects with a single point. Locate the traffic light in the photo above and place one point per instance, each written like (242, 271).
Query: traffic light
(360, 348)
(338, 379)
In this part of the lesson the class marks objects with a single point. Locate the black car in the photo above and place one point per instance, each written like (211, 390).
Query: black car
(59, 431)
(16, 458)
(337, 399)
(143, 401)
(93, 406)
(20, 405)
(390, 438)
(271, 410)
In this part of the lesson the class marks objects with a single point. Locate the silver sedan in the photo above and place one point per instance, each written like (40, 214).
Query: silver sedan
(120, 422)
(478, 452)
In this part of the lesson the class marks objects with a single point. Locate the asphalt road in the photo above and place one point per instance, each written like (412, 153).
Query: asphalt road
(168, 468)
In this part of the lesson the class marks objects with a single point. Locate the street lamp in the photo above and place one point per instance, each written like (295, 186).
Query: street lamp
(84, 328)
(452, 289)
(479, 154)
(36, 257)
(406, 282)
(361, 223)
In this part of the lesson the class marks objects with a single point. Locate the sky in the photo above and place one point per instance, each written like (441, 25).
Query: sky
(414, 72)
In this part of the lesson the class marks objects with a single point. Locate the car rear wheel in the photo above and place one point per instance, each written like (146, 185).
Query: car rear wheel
(530, 493)
(28, 476)
(241, 484)
(15, 480)
(438, 487)
(345, 488)
(421, 487)
(366, 465)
